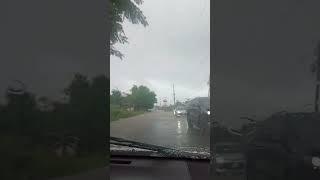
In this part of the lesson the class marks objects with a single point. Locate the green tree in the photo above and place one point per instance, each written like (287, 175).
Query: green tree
(142, 98)
(78, 90)
(120, 11)
(87, 113)
(126, 101)
(99, 113)
(21, 112)
(115, 97)
(74, 117)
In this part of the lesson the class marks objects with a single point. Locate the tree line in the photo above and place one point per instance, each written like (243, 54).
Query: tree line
(81, 119)
(140, 98)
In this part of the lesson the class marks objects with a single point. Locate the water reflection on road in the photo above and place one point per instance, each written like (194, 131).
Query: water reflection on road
(179, 127)
(161, 128)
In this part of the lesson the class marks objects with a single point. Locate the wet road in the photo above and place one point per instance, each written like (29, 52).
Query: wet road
(160, 128)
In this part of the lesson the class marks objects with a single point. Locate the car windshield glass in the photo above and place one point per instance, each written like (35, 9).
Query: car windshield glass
(180, 108)
(155, 74)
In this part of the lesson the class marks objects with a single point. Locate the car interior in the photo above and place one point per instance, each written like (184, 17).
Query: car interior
(142, 168)
(53, 110)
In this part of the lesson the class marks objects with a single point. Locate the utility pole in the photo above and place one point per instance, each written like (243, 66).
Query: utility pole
(317, 69)
(209, 87)
(174, 97)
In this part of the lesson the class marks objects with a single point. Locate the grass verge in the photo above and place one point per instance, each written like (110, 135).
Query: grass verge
(117, 113)
(20, 162)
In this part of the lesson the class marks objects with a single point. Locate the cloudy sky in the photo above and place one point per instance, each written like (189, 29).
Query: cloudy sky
(173, 49)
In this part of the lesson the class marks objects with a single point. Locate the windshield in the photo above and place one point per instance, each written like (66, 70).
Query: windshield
(180, 108)
(159, 64)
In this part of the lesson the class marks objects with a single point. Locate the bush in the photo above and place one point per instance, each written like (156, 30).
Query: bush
(117, 113)
(19, 160)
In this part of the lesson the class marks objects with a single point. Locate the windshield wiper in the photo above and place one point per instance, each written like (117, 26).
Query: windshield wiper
(135, 144)
(169, 152)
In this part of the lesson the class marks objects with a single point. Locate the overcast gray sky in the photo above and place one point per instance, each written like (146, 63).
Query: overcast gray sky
(174, 48)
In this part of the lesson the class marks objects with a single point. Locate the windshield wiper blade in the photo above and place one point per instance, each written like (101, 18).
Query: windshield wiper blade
(170, 152)
(135, 144)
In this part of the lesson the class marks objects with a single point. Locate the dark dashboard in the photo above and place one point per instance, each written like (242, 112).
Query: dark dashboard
(142, 168)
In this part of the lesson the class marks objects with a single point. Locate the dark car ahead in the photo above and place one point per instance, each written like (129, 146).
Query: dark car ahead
(198, 113)
(179, 111)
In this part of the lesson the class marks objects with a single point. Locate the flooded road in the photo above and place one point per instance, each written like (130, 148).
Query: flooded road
(160, 128)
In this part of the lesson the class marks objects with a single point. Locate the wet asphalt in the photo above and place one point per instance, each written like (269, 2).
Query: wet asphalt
(161, 128)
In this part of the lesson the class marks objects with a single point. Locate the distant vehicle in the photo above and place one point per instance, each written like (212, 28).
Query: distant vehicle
(229, 159)
(179, 111)
(152, 109)
(198, 113)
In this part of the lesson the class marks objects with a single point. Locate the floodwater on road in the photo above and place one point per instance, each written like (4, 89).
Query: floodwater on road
(161, 128)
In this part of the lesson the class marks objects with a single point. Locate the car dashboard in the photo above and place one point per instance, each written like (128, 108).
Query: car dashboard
(145, 168)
